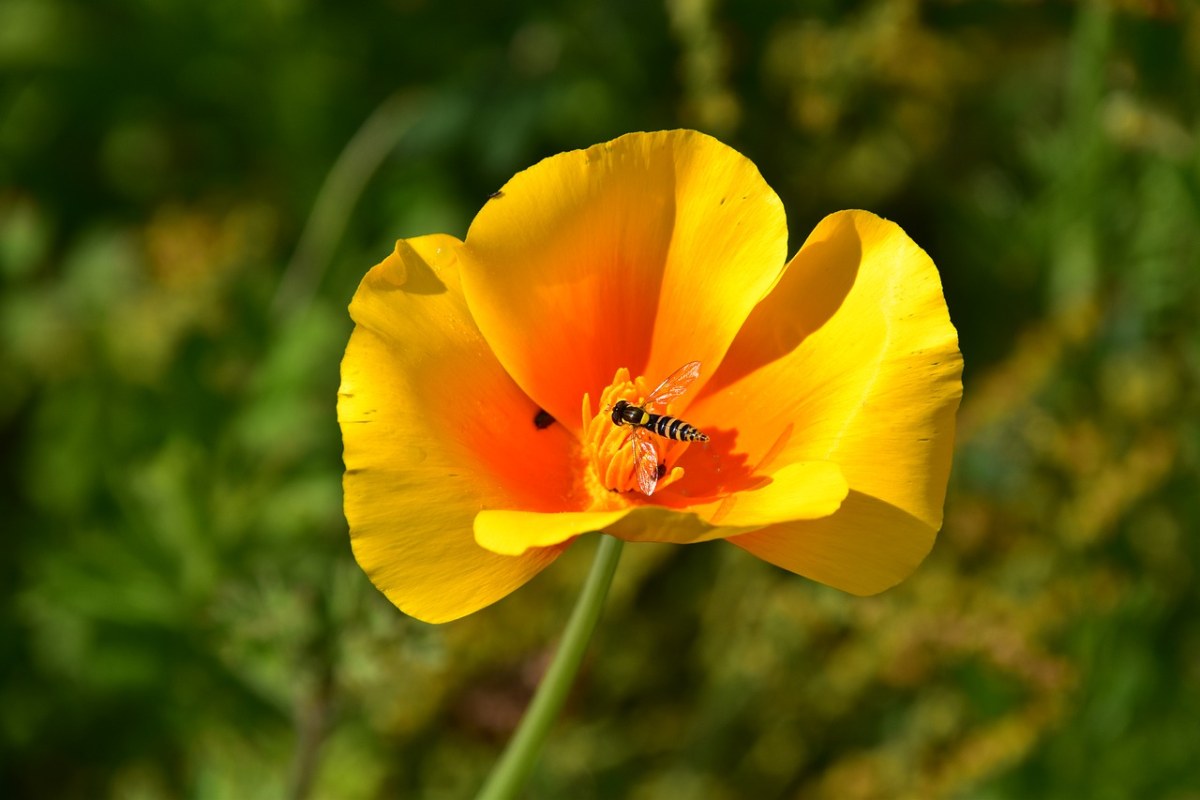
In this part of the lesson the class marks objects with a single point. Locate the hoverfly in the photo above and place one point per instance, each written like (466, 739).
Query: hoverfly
(645, 418)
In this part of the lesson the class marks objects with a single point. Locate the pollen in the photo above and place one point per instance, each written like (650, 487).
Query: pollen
(610, 448)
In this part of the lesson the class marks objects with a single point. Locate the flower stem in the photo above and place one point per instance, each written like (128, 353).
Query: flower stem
(513, 768)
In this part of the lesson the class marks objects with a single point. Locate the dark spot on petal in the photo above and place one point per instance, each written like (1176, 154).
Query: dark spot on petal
(542, 420)
(662, 470)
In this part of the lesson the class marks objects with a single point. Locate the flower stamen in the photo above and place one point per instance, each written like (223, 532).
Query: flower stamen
(608, 447)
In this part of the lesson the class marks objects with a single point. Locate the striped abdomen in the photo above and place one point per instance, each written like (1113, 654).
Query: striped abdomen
(625, 413)
(672, 428)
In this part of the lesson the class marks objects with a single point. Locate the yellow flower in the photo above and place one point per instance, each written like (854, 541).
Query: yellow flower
(828, 384)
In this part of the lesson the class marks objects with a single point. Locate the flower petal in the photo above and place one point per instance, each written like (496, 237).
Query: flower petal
(433, 431)
(852, 358)
(796, 492)
(802, 491)
(865, 547)
(512, 533)
(646, 252)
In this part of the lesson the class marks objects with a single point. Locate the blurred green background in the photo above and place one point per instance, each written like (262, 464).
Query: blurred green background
(190, 192)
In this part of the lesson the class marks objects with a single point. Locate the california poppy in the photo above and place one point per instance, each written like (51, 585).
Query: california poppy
(478, 383)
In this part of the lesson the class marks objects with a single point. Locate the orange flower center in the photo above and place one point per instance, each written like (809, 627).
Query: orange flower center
(609, 447)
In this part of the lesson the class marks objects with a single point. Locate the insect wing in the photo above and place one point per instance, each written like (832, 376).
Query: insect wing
(645, 461)
(676, 384)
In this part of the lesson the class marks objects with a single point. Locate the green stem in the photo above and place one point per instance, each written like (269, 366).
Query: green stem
(513, 768)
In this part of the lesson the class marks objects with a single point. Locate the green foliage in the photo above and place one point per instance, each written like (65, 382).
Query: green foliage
(180, 613)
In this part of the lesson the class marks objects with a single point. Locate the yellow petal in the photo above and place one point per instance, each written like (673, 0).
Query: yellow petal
(512, 533)
(796, 492)
(646, 252)
(802, 491)
(433, 431)
(865, 547)
(852, 359)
